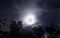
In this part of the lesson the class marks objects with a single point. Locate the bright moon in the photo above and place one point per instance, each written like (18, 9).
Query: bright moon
(30, 20)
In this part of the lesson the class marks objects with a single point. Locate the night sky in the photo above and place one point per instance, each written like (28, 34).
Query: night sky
(46, 11)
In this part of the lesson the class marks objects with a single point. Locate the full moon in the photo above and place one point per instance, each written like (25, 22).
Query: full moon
(30, 20)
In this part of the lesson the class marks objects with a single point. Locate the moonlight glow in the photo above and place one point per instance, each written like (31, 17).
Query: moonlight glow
(30, 20)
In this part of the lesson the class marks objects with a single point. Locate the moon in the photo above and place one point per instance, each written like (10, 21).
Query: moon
(30, 20)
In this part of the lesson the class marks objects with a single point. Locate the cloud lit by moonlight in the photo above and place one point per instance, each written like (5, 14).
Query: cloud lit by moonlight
(29, 13)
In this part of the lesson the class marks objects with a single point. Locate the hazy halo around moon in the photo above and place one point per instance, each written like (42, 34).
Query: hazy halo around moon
(30, 20)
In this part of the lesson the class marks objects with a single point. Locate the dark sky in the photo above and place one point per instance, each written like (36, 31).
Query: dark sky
(8, 10)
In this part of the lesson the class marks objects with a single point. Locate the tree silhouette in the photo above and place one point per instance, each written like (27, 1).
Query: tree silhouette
(58, 33)
(20, 26)
(0, 21)
(39, 32)
(14, 30)
(1, 32)
(52, 31)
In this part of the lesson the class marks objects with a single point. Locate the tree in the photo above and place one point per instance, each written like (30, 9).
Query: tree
(52, 32)
(20, 26)
(1, 32)
(14, 30)
(39, 32)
